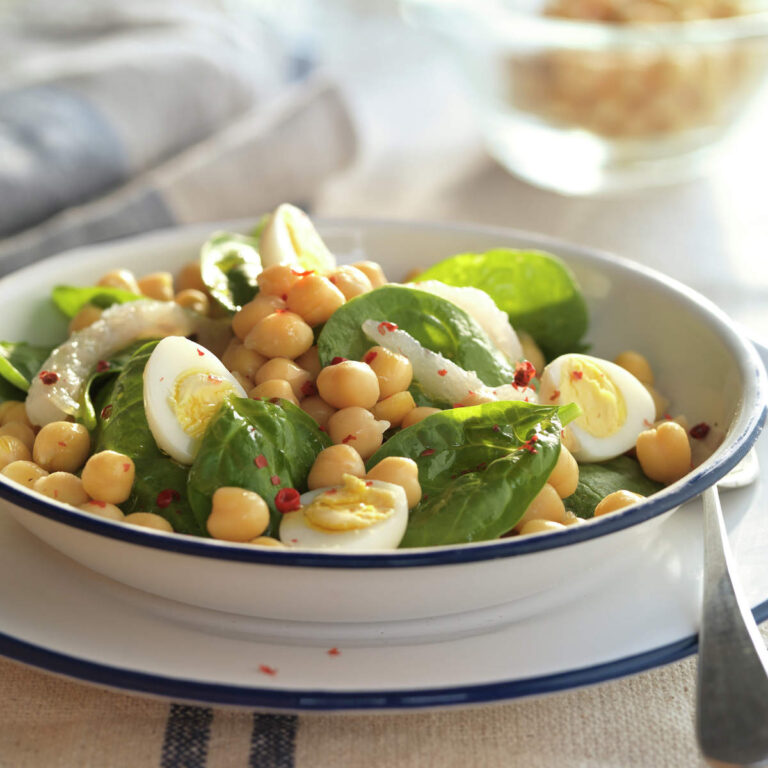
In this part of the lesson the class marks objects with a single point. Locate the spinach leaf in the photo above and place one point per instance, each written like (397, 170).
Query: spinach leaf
(100, 376)
(70, 299)
(479, 468)
(230, 264)
(9, 392)
(596, 481)
(122, 426)
(255, 444)
(436, 323)
(20, 362)
(536, 289)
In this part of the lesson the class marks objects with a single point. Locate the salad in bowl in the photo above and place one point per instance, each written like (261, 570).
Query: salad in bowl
(267, 396)
(204, 407)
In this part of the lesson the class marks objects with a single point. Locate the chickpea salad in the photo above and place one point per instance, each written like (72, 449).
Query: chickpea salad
(267, 395)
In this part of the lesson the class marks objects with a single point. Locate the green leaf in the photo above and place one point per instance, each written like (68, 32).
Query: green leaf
(97, 381)
(122, 426)
(477, 470)
(434, 322)
(20, 363)
(596, 481)
(230, 264)
(242, 430)
(70, 299)
(536, 289)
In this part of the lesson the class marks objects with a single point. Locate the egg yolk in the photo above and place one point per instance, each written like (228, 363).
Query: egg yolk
(196, 396)
(603, 410)
(355, 505)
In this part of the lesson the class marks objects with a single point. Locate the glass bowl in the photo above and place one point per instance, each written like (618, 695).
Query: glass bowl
(591, 106)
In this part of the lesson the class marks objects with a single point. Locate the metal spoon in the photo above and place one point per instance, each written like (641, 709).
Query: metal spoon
(732, 690)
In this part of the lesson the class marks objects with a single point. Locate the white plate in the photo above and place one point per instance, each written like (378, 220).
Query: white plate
(59, 616)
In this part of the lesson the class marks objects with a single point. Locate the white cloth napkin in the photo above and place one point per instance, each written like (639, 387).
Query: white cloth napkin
(119, 118)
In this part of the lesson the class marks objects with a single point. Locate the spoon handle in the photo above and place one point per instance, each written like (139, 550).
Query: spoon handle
(732, 691)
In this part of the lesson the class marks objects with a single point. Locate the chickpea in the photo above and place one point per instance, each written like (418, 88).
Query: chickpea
(24, 432)
(660, 402)
(62, 445)
(25, 473)
(149, 520)
(565, 476)
(546, 505)
(158, 286)
(103, 509)
(193, 300)
(190, 277)
(281, 334)
(531, 351)
(120, 278)
(351, 281)
(282, 368)
(399, 471)
(244, 381)
(372, 271)
(240, 359)
(617, 500)
(315, 298)
(394, 408)
(62, 486)
(108, 476)
(273, 388)
(237, 514)
(87, 316)
(540, 526)
(318, 409)
(12, 449)
(348, 384)
(257, 309)
(393, 371)
(5, 407)
(637, 365)
(277, 280)
(664, 453)
(267, 541)
(417, 414)
(357, 428)
(332, 464)
(571, 518)
(16, 411)
(310, 361)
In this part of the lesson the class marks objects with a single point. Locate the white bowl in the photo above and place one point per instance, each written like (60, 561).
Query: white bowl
(703, 363)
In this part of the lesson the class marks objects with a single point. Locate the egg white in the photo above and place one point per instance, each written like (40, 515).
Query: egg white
(386, 534)
(585, 446)
(173, 358)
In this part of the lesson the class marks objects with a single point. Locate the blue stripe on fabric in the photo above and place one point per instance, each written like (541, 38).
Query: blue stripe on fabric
(186, 737)
(273, 741)
(58, 150)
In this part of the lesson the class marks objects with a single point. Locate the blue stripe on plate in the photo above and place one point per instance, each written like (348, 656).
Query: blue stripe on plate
(186, 737)
(273, 741)
(297, 700)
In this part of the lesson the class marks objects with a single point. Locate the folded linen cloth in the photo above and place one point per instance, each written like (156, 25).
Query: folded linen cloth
(128, 120)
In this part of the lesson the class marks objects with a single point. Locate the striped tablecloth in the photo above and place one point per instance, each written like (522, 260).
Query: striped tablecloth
(645, 721)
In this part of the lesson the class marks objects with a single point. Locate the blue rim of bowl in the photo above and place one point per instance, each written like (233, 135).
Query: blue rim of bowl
(712, 470)
(180, 689)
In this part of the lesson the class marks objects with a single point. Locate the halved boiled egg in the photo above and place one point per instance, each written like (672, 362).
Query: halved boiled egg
(356, 516)
(615, 406)
(289, 237)
(184, 385)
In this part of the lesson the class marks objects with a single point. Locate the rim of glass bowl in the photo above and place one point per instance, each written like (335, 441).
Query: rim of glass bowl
(736, 446)
(499, 23)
